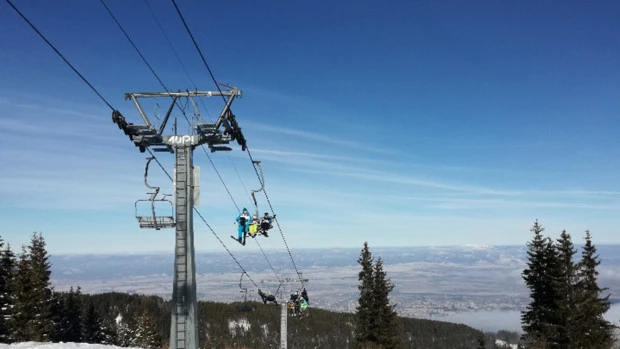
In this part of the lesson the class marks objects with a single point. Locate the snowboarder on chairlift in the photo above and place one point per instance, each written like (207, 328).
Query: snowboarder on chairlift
(244, 223)
(266, 223)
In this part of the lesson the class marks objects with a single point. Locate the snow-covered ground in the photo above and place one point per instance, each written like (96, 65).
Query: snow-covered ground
(500, 343)
(36, 345)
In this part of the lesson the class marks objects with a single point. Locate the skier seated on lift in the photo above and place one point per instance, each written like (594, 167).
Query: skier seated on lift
(304, 294)
(254, 224)
(244, 222)
(267, 297)
(303, 304)
(294, 297)
(294, 304)
(266, 223)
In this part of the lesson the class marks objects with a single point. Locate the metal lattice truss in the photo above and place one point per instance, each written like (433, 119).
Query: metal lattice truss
(216, 135)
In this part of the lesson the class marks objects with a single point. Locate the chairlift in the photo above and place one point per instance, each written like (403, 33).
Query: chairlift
(144, 205)
(245, 307)
(298, 304)
(264, 226)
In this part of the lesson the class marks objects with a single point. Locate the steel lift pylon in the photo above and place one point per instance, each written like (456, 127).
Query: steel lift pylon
(184, 324)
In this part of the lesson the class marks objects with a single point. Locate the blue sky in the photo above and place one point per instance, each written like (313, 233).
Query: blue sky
(397, 123)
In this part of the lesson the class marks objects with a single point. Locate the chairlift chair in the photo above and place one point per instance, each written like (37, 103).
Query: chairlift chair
(259, 229)
(153, 221)
(244, 290)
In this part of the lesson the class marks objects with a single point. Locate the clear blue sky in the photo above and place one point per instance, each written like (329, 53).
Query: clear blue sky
(397, 123)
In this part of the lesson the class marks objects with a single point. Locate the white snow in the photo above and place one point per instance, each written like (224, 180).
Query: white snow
(500, 343)
(37, 345)
(233, 325)
(265, 330)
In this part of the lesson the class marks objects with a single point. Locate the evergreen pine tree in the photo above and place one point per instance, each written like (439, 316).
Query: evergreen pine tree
(125, 334)
(68, 316)
(7, 264)
(564, 289)
(552, 297)
(378, 325)
(539, 321)
(109, 330)
(385, 318)
(147, 334)
(32, 311)
(365, 328)
(482, 342)
(22, 310)
(594, 332)
(92, 328)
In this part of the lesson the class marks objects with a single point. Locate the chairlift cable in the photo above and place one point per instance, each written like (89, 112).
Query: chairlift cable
(113, 109)
(248, 150)
(132, 43)
(202, 146)
(161, 28)
(176, 103)
(247, 192)
(207, 224)
(221, 179)
(276, 220)
(227, 250)
(197, 48)
(268, 262)
(174, 51)
(60, 55)
(219, 89)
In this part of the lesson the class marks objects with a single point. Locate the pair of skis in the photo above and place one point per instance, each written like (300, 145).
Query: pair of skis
(239, 240)
(242, 240)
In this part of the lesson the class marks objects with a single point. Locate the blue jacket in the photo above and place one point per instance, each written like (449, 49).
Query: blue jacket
(248, 220)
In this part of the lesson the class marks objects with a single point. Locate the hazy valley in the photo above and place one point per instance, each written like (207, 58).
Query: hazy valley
(477, 285)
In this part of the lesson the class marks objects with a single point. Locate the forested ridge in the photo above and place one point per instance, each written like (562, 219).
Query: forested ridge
(227, 327)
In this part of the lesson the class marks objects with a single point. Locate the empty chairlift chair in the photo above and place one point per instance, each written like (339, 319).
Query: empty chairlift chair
(148, 211)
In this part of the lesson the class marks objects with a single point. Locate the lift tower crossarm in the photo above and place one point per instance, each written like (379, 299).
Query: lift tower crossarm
(233, 92)
(224, 113)
(223, 131)
(140, 110)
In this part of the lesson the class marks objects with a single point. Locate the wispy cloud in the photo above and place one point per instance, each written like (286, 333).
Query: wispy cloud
(364, 168)
(317, 137)
(49, 110)
(377, 176)
(476, 204)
